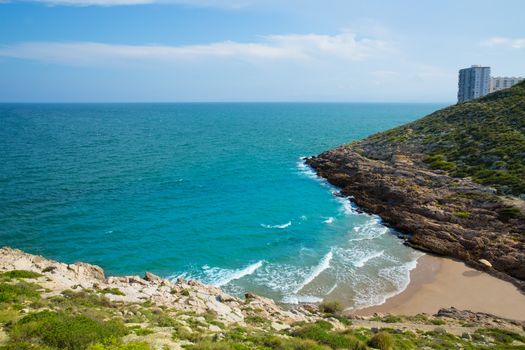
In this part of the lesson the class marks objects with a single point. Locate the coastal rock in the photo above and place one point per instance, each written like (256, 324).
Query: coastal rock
(426, 206)
(148, 276)
(191, 296)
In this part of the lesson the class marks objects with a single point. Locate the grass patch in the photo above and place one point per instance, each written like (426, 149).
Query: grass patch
(382, 341)
(63, 331)
(462, 214)
(114, 291)
(20, 274)
(19, 292)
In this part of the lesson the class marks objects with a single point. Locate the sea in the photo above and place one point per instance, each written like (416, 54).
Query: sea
(216, 192)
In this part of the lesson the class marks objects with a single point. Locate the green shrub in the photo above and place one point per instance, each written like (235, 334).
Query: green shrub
(256, 320)
(143, 331)
(331, 307)
(462, 214)
(70, 299)
(49, 269)
(15, 293)
(63, 331)
(114, 291)
(392, 319)
(320, 332)
(510, 213)
(501, 335)
(223, 345)
(281, 343)
(382, 341)
(117, 345)
(186, 292)
(20, 274)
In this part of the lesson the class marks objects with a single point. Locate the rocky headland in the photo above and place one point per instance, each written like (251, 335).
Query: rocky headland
(452, 183)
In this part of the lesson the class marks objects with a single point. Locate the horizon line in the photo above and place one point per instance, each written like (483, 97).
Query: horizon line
(218, 102)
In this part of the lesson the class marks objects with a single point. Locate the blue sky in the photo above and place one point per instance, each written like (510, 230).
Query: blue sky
(252, 50)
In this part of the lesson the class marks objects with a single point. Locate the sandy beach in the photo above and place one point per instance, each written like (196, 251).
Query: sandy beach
(438, 282)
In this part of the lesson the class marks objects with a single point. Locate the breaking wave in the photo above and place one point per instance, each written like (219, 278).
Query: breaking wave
(289, 223)
(221, 277)
(323, 265)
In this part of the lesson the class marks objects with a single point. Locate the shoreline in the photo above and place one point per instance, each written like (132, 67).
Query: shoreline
(439, 282)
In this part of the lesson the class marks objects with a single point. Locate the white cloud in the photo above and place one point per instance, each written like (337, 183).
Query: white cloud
(344, 46)
(514, 43)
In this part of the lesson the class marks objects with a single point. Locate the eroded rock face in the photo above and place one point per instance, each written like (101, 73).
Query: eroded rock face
(447, 216)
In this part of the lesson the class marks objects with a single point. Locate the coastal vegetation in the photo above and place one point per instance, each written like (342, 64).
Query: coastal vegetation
(483, 139)
(33, 317)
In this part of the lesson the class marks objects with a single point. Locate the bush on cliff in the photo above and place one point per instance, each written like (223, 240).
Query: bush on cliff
(15, 293)
(63, 331)
(331, 307)
(382, 341)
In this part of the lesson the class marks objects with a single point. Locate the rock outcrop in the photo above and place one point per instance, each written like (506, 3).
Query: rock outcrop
(181, 295)
(453, 217)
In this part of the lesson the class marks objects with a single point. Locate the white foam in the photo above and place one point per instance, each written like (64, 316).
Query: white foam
(329, 220)
(222, 277)
(399, 276)
(323, 265)
(277, 226)
(296, 299)
(370, 230)
(332, 289)
(306, 170)
(361, 262)
(346, 206)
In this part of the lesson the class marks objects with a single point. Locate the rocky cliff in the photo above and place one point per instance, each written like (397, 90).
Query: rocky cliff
(454, 181)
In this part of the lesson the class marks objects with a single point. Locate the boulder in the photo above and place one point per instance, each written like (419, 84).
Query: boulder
(152, 277)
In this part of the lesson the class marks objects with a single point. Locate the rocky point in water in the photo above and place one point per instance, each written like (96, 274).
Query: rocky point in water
(454, 181)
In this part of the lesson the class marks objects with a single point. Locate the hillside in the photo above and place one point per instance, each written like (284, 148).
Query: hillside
(453, 182)
(483, 139)
(49, 305)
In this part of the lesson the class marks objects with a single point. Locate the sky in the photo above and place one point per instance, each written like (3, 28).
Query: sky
(252, 50)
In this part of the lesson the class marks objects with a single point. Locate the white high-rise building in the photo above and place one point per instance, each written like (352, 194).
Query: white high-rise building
(473, 82)
(500, 83)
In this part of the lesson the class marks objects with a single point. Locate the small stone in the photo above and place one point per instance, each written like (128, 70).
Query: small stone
(485, 262)
(214, 328)
(465, 335)
(279, 326)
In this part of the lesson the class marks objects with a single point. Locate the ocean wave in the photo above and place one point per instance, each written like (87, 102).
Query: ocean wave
(221, 277)
(371, 230)
(347, 207)
(277, 226)
(329, 220)
(398, 276)
(361, 262)
(296, 299)
(306, 170)
(323, 265)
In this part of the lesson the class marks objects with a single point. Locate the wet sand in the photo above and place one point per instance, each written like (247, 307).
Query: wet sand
(439, 282)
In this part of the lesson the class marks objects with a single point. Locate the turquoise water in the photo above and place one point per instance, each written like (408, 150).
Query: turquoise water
(210, 191)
